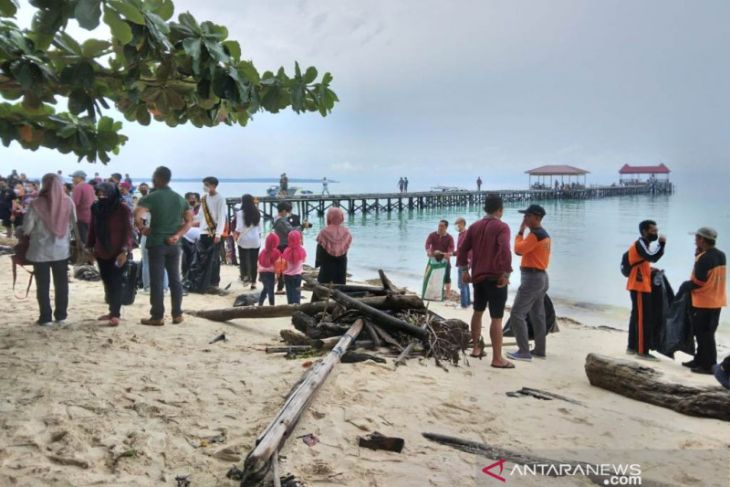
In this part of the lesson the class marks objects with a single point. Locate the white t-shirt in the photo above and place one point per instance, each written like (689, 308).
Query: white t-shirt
(218, 211)
(250, 237)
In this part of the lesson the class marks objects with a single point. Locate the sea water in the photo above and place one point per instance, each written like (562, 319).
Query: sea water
(588, 240)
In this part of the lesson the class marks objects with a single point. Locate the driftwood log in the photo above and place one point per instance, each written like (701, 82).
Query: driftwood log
(388, 284)
(645, 384)
(258, 461)
(391, 303)
(497, 453)
(375, 315)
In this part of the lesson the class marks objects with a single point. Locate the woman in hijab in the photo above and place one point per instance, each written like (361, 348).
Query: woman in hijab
(333, 242)
(48, 224)
(111, 239)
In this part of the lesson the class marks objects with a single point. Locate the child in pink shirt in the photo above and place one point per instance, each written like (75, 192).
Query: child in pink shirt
(294, 255)
(266, 263)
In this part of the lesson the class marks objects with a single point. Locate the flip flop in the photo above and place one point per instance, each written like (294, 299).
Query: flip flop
(508, 365)
(482, 354)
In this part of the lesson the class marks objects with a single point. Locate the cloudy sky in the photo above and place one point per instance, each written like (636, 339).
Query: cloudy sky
(445, 91)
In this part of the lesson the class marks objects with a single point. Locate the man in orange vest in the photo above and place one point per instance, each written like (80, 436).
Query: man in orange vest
(641, 255)
(708, 286)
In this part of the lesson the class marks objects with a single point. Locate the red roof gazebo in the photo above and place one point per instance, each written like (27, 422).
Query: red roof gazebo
(557, 171)
(633, 173)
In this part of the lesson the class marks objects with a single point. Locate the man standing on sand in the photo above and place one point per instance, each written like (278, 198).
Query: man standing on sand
(464, 290)
(641, 255)
(84, 196)
(530, 299)
(212, 219)
(440, 243)
(488, 240)
(708, 290)
(171, 218)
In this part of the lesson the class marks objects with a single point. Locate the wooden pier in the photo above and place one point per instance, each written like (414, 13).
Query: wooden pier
(376, 203)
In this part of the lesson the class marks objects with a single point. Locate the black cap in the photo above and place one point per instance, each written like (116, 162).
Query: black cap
(534, 210)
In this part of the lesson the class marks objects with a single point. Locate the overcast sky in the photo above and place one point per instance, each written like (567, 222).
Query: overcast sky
(445, 91)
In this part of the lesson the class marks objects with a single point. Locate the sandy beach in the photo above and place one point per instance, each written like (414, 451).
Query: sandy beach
(84, 404)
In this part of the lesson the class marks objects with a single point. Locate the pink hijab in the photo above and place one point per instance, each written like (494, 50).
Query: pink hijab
(53, 206)
(334, 238)
(271, 253)
(294, 252)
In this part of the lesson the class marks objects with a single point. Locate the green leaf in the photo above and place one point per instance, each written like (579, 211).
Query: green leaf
(128, 10)
(78, 101)
(94, 47)
(68, 43)
(121, 30)
(247, 69)
(164, 8)
(234, 49)
(8, 8)
(87, 13)
(215, 50)
(192, 48)
(310, 75)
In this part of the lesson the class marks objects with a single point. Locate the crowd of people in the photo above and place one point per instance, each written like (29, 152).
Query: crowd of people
(484, 262)
(182, 241)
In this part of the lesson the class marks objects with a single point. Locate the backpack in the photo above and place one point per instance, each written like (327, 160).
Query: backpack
(626, 266)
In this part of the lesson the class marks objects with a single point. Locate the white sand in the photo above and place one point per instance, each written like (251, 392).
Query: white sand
(89, 405)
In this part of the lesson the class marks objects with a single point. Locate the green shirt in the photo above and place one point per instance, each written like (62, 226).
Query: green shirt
(166, 209)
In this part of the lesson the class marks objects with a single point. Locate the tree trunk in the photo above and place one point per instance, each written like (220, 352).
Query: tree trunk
(394, 303)
(257, 462)
(644, 384)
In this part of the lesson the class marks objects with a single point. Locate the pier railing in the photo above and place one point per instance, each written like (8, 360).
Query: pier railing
(367, 203)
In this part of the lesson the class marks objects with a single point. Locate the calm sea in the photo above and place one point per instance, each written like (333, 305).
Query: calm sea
(588, 237)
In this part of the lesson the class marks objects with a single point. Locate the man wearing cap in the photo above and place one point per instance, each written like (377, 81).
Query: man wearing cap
(535, 252)
(708, 291)
(83, 196)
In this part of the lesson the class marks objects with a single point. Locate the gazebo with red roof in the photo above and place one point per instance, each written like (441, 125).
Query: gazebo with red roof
(632, 174)
(557, 171)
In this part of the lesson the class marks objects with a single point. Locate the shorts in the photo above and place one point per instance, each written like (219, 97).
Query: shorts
(486, 293)
(447, 274)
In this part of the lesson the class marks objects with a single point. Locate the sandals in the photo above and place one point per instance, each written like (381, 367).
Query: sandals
(506, 365)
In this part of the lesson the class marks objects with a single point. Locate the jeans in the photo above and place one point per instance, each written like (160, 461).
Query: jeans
(83, 231)
(111, 275)
(247, 263)
(268, 279)
(293, 289)
(530, 300)
(43, 271)
(146, 266)
(161, 258)
(464, 290)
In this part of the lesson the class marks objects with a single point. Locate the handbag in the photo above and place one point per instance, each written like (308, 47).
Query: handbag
(20, 259)
(130, 271)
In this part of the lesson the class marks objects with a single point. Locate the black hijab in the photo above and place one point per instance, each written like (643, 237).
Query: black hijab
(103, 209)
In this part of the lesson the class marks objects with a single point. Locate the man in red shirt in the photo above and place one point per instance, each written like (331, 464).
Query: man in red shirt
(83, 196)
(441, 244)
(488, 240)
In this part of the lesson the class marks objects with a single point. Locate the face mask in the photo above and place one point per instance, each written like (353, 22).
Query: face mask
(652, 237)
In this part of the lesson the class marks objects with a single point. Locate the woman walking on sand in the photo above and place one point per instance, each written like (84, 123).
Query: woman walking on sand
(111, 240)
(333, 242)
(48, 224)
(248, 236)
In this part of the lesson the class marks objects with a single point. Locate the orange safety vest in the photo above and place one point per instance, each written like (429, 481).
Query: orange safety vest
(640, 277)
(712, 294)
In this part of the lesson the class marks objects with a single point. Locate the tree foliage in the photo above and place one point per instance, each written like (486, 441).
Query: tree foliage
(152, 67)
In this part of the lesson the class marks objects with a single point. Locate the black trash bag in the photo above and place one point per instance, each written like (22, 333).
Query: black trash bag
(201, 268)
(551, 321)
(248, 299)
(130, 272)
(676, 335)
(662, 296)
